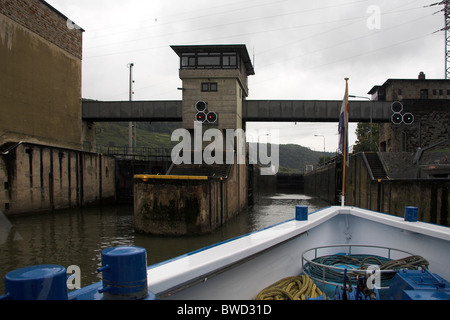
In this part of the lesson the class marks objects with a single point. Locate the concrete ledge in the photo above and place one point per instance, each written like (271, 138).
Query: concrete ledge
(145, 177)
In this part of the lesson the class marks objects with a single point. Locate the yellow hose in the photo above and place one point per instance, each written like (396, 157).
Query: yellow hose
(291, 288)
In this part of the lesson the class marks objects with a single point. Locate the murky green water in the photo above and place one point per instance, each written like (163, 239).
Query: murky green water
(77, 237)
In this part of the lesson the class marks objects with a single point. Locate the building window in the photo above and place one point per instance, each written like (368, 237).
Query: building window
(229, 60)
(188, 60)
(448, 92)
(441, 92)
(434, 92)
(399, 92)
(209, 86)
(424, 94)
(210, 60)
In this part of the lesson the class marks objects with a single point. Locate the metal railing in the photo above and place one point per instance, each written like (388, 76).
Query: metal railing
(136, 153)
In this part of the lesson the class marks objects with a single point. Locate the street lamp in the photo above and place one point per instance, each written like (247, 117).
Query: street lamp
(352, 96)
(318, 135)
(130, 98)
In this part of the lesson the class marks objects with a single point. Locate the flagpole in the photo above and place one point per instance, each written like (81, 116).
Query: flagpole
(344, 164)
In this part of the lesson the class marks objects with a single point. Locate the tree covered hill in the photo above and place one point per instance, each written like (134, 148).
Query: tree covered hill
(293, 158)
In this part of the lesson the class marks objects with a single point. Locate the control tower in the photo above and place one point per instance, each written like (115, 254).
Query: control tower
(217, 76)
(196, 195)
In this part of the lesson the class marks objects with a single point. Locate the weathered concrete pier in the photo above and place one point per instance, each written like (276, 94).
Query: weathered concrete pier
(196, 197)
(193, 199)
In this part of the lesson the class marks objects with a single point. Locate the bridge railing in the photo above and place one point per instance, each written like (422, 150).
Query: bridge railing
(137, 153)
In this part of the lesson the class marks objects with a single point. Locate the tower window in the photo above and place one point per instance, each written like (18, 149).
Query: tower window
(188, 60)
(210, 60)
(423, 94)
(209, 86)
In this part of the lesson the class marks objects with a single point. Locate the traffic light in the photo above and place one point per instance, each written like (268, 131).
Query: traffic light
(200, 116)
(397, 107)
(201, 106)
(211, 117)
(408, 118)
(203, 115)
(397, 118)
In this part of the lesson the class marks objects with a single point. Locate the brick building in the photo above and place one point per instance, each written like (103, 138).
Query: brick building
(40, 83)
(428, 101)
(44, 144)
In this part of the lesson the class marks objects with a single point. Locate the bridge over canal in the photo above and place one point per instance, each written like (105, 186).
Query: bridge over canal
(252, 110)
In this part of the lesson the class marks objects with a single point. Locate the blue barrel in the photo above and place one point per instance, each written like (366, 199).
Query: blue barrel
(41, 282)
(411, 214)
(301, 213)
(124, 273)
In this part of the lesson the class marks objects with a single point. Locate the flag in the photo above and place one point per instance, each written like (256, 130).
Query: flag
(343, 126)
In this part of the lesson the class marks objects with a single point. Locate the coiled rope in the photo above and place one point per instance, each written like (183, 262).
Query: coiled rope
(316, 269)
(291, 288)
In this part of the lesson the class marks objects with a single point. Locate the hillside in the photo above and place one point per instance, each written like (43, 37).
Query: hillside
(152, 135)
(293, 158)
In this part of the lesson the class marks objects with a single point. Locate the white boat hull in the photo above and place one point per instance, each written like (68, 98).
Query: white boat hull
(242, 267)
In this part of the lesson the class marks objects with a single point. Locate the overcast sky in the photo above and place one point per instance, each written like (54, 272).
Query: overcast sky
(300, 49)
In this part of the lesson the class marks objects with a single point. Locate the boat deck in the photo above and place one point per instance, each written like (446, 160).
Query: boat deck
(239, 268)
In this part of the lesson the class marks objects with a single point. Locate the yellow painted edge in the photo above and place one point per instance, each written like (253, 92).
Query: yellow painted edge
(145, 177)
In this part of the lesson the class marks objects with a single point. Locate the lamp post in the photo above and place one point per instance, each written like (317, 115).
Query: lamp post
(130, 124)
(352, 96)
(319, 135)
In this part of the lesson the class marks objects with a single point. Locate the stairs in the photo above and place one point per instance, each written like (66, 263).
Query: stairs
(375, 165)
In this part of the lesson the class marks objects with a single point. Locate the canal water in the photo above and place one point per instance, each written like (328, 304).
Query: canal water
(78, 236)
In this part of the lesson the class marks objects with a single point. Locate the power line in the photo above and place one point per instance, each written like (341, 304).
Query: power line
(196, 17)
(209, 27)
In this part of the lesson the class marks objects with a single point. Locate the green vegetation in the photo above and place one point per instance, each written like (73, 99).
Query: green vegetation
(151, 135)
(363, 137)
(293, 157)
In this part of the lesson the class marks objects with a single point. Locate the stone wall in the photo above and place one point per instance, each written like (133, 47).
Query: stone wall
(44, 20)
(322, 183)
(42, 178)
(391, 196)
(185, 205)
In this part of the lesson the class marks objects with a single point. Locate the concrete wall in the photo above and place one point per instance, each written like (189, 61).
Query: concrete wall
(322, 183)
(431, 196)
(391, 196)
(40, 83)
(180, 205)
(40, 178)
